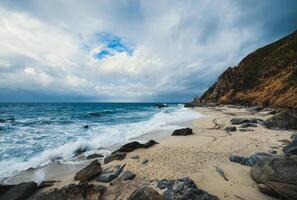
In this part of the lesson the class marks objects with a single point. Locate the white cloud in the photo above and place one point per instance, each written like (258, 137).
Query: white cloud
(178, 47)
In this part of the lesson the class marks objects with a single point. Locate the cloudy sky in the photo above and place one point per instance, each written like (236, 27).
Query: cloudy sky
(128, 50)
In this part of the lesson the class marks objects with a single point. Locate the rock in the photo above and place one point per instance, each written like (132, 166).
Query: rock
(110, 174)
(44, 184)
(266, 190)
(151, 143)
(127, 175)
(131, 146)
(20, 191)
(86, 126)
(182, 132)
(245, 129)
(114, 156)
(5, 188)
(230, 128)
(250, 161)
(255, 109)
(89, 172)
(95, 155)
(161, 105)
(82, 191)
(145, 161)
(80, 150)
(145, 193)
(182, 189)
(272, 151)
(290, 149)
(279, 174)
(286, 119)
(245, 125)
(238, 121)
(136, 157)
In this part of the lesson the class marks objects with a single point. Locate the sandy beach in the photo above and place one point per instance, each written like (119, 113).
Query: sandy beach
(197, 156)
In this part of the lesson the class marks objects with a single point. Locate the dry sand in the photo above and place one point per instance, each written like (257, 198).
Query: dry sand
(197, 156)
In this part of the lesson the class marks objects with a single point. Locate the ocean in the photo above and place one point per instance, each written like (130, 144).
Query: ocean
(36, 134)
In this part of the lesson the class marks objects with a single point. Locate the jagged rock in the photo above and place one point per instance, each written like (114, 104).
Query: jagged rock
(238, 121)
(20, 191)
(80, 151)
(250, 161)
(279, 174)
(83, 191)
(286, 119)
(131, 146)
(115, 156)
(230, 128)
(89, 172)
(127, 175)
(145, 193)
(95, 155)
(182, 189)
(110, 174)
(44, 184)
(245, 125)
(182, 132)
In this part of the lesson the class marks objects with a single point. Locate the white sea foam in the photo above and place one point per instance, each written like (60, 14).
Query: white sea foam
(101, 136)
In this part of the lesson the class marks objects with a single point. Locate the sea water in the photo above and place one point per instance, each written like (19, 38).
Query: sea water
(36, 134)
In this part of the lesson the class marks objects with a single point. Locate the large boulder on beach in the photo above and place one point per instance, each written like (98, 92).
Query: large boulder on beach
(20, 191)
(286, 119)
(83, 191)
(110, 173)
(230, 128)
(115, 156)
(182, 189)
(89, 172)
(145, 193)
(248, 161)
(182, 132)
(238, 121)
(278, 175)
(131, 146)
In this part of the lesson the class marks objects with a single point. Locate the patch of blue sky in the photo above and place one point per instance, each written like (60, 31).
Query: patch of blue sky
(111, 45)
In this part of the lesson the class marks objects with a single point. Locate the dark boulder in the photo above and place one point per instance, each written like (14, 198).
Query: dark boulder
(80, 150)
(230, 128)
(145, 193)
(238, 121)
(248, 161)
(131, 146)
(44, 184)
(83, 191)
(115, 156)
(5, 188)
(86, 126)
(95, 155)
(110, 174)
(183, 189)
(286, 119)
(20, 191)
(145, 161)
(151, 143)
(290, 149)
(182, 132)
(278, 174)
(127, 175)
(161, 105)
(245, 125)
(89, 172)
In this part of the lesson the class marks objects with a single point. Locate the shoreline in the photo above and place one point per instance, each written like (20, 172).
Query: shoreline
(197, 156)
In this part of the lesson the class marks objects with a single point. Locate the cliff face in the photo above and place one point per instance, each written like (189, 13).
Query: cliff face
(266, 77)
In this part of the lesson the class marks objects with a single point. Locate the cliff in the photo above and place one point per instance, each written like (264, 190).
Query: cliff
(266, 77)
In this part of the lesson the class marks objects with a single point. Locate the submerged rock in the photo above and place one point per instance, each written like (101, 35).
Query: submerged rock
(278, 174)
(115, 156)
(20, 191)
(161, 105)
(83, 191)
(286, 119)
(182, 132)
(110, 174)
(145, 193)
(248, 161)
(182, 189)
(89, 172)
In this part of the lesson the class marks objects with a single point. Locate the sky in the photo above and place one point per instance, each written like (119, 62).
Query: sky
(129, 50)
